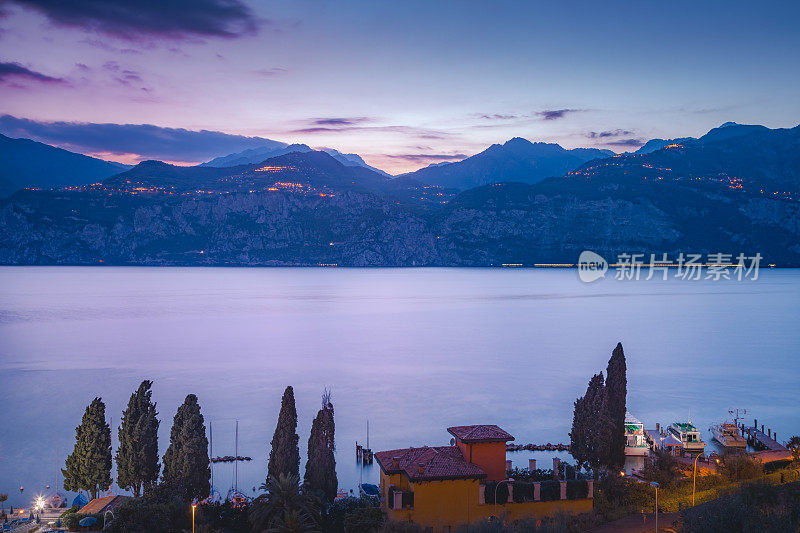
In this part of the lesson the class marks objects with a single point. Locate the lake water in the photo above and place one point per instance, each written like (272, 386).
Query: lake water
(411, 350)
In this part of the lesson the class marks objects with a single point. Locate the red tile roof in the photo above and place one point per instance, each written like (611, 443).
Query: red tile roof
(480, 433)
(99, 505)
(438, 462)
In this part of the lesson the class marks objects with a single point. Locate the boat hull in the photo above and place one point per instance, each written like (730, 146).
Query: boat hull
(636, 450)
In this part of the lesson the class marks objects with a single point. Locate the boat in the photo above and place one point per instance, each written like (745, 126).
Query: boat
(727, 434)
(635, 443)
(368, 490)
(689, 436)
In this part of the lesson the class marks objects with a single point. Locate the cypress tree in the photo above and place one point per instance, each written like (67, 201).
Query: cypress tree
(598, 423)
(137, 455)
(88, 467)
(186, 460)
(320, 474)
(577, 437)
(616, 388)
(284, 457)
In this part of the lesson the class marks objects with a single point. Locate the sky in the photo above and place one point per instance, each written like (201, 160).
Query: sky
(403, 84)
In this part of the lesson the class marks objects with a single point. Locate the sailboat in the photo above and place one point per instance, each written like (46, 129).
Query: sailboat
(235, 496)
(366, 489)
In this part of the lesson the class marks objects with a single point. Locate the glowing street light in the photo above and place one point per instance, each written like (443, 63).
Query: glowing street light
(39, 503)
(194, 506)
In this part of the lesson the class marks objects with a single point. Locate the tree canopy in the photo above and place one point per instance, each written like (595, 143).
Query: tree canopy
(88, 467)
(284, 456)
(137, 455)
(186, 461)
(320, 472)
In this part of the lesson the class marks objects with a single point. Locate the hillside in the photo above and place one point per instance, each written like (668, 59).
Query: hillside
(27, 163)
(516, 160)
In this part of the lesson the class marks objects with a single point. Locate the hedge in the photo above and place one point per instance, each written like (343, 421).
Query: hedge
(577, 489)
(550, 491)
(502, 492)
(523, 491)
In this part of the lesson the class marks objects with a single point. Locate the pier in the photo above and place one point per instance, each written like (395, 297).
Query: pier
(768, 439)
(364, 455)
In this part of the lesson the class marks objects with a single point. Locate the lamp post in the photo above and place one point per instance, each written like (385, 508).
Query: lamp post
(653, 483)
(509, 480)
(694, 476)
(194, 506)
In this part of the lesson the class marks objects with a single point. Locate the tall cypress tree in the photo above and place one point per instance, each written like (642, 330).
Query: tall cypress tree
(186, 460)
(617, 390)
(284, 457)
(598, 423)
(577, 436)
(88, 467)
(137, 455)
(320, 474)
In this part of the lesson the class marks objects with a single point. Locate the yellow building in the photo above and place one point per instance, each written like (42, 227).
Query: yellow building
(442, 487)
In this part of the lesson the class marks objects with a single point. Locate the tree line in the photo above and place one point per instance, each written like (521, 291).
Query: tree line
(186, 463)
(597, 438)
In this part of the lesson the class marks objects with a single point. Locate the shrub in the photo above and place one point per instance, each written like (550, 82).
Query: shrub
(71, 520)
(577, 489)
(741, 467)
(363, 520)
(550, 490)
(333, 521)
(523, 491)
(501, 490)
(400, 527)
(755, 507)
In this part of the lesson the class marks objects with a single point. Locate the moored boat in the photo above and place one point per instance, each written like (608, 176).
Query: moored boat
(635, 443)
(689, 436)
(727, 434)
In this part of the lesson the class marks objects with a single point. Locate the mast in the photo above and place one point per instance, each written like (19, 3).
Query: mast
(211, 455)
(236, 459)
(368, 434)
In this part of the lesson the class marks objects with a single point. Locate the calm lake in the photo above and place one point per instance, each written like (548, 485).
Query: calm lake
(411, 350)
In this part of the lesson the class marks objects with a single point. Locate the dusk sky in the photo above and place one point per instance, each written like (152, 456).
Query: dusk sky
(403, 84)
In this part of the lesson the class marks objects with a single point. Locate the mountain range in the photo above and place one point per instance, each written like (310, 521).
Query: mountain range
(26, 163)
(733, 190)
(516, 160)
(257, 155)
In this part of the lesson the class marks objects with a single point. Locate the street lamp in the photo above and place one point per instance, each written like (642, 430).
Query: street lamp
(509, 480)
(656, 486)
(194, 506)
(694, 476)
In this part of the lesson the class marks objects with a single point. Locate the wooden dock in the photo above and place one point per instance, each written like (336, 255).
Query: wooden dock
(765, 439)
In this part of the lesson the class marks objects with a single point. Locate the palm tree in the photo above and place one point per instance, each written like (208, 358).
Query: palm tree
(294, 522)
(285, 508)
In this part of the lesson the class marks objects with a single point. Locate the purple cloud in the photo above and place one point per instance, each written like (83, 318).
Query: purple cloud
(608, 133)
(132, 19)
(145, 140)
(626, 142)
(11, 71)
(428, 157)
(555, 114)
(339, 121)
(270, 72)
